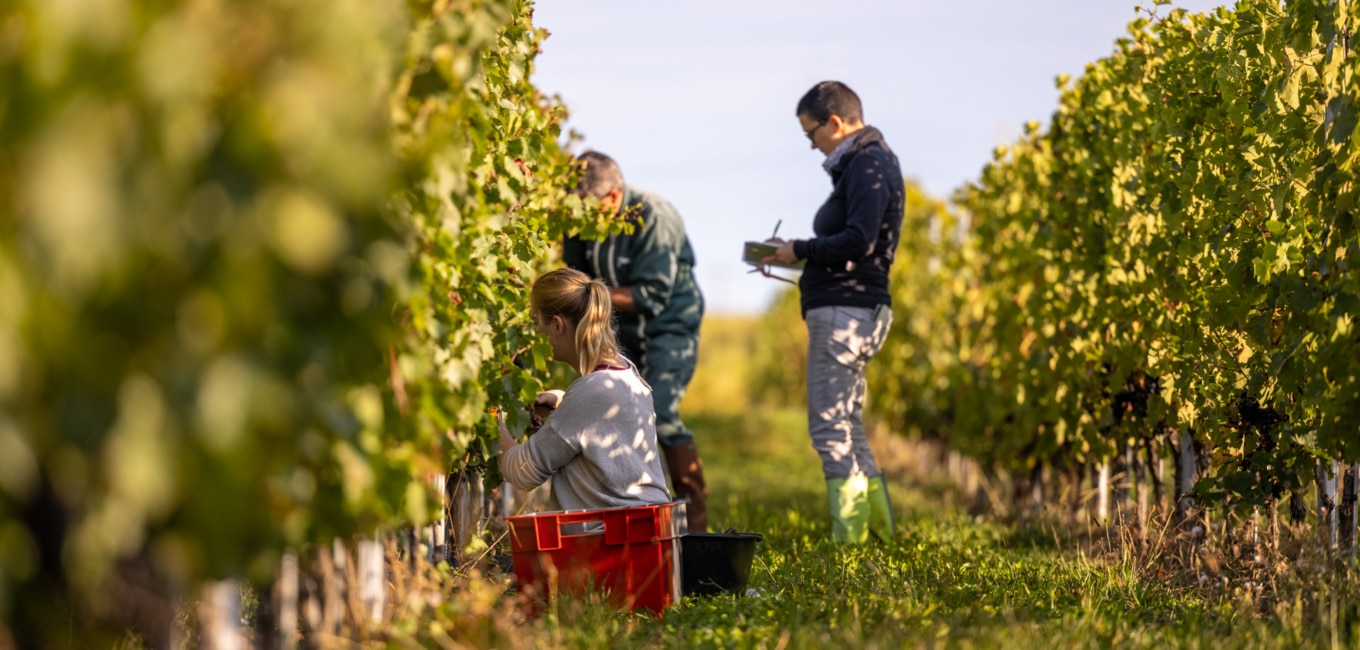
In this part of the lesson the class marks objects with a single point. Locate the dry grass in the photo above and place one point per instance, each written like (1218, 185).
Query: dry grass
(1285, 578)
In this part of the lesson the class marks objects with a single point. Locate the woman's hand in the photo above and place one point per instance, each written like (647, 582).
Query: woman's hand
(784, 255)
(507, 440)
(549, 398)
(546, 402)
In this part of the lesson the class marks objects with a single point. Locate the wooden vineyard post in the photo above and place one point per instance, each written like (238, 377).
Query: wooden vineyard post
(1073, 493)
(1142, 483)
(1298, 510)
(1103, 493)
(1273, 521)
(286, 602)
(1255, 527)
(343, 566)
(972, 490)
(1156, 466)
(220, 615)
(1037, 489)
(372, 578)
(1348, 509)
(1120, 486)
(329, 608)
(954, 466)
(1347, 519)
(1159, 483)
(1185, 477)
(507, 506)
(437, 533)
(1325, 475)
(466, 501)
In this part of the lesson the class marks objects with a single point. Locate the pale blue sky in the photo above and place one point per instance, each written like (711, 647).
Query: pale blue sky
(695, 98)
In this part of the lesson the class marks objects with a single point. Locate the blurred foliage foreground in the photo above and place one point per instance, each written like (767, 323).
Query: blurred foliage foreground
(263, 265)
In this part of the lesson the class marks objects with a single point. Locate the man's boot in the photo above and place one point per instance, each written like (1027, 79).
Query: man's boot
(880, 509)
(687, 479)
(848, 499)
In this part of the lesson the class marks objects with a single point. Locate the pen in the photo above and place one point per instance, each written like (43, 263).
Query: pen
(777, 224)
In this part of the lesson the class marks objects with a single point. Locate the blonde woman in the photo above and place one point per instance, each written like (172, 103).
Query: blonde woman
(599, 444)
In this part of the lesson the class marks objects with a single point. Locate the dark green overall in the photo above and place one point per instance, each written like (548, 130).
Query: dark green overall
(662, 335)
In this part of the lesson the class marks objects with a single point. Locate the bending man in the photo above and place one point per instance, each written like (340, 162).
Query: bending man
(650, 273)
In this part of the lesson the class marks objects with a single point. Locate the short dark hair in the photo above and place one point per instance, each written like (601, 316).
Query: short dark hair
(602, 175)
(831, 98)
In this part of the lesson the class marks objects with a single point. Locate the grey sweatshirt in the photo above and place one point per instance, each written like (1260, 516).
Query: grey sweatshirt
(599, 446)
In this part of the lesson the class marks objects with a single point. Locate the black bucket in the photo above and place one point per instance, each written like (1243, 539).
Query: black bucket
(716, 563)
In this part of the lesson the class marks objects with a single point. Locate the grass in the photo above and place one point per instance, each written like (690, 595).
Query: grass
(947, 580)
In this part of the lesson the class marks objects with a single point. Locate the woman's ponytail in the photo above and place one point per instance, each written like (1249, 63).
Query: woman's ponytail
(585, 304)
(595, 340)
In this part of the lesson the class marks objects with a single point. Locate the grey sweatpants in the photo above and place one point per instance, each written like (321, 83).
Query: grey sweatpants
(841, 341)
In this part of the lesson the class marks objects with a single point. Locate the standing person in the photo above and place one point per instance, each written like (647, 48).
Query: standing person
(599, 443)
(650, 273)
(845, 300)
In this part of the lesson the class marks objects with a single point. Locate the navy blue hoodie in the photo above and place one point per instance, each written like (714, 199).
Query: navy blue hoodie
(856, 229)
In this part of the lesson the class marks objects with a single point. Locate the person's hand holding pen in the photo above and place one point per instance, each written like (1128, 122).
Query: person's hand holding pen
(784, 254)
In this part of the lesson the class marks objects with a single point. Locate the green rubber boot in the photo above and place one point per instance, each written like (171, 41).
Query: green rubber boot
(849, 502)
(880, 510)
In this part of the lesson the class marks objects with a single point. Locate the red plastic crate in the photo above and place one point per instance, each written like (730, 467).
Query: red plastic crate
(631, 553)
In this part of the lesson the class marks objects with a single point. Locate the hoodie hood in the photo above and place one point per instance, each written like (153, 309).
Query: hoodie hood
(863, 138)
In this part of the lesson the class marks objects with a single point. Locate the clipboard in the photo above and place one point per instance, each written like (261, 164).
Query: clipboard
(755, 251)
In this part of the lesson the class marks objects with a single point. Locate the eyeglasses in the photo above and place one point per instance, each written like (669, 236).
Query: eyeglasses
(813, 130)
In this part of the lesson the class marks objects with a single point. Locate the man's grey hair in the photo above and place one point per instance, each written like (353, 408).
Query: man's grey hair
(602, 175)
